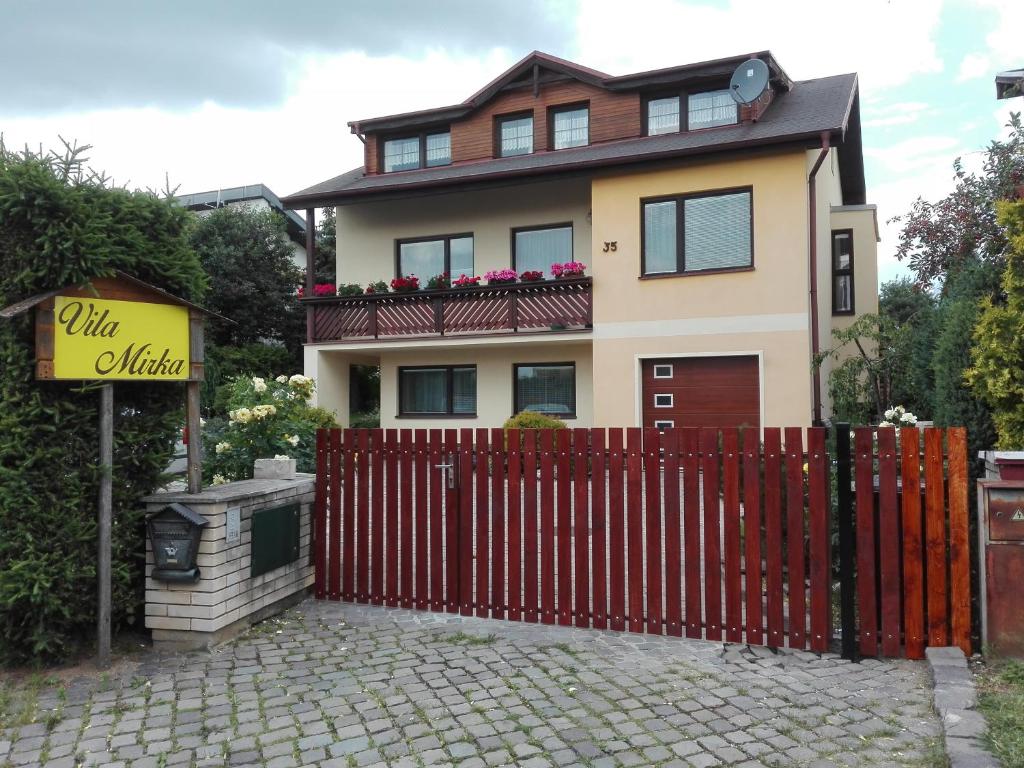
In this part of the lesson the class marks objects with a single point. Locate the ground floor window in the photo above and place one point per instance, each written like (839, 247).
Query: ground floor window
(444, 390)
(546, 388)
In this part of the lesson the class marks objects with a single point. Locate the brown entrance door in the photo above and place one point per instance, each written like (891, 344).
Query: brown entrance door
(702, 392)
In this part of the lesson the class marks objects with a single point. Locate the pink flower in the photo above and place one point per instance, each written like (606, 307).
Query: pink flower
(465, 281)
(501, 276)
(568, 269)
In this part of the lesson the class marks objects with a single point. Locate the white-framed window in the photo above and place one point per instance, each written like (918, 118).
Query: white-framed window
(663, 370)
(666, 400)
(664, 423)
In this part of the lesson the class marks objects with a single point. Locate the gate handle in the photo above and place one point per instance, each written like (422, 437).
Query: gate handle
(448, 469)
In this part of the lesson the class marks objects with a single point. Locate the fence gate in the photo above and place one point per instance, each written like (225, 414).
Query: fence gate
(699, 532)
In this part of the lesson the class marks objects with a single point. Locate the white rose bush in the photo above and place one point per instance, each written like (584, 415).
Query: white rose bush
(898, 416)
(268, 418)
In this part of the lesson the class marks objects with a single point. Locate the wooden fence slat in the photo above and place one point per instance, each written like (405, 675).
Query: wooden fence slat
(452, 527)
(563, 499)
(335, 496)
(634, 528)
(712, 535)
(673, 540)
(867, 608)
(597, 525)
(465, 547)
(913, 550)
(752, 535)
(691, 532)
(652, 517)
(547, 527)
(581, 525)
(514, 517)
(959, 549)
(376, 451)
(422, 563)
(320, 542)
(405, 467)
(616, 533)
(362, 478)
(888, 542)
(391, 539)
(731, 542)
(820, 540)
(348, 515)
(438, 478)
(795, 537)
(498, 495)
(531, 610)
(935, 538)
(482, 595)
(773, 535)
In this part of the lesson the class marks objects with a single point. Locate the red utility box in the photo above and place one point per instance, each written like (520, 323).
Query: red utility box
(1001, 565)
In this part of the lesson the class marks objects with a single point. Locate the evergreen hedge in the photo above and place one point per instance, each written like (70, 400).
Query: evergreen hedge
(61, 225)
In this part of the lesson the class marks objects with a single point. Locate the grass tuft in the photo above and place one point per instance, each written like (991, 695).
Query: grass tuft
(1001, 701)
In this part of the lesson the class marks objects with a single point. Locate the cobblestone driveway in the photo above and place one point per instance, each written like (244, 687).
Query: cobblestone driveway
(331, 684)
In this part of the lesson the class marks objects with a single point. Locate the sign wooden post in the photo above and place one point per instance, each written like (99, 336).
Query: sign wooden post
(119, 329)
(105, 515)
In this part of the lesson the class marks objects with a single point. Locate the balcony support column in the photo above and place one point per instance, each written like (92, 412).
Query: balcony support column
(310, 268)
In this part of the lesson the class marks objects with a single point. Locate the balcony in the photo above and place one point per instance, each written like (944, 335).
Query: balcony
(517, 308)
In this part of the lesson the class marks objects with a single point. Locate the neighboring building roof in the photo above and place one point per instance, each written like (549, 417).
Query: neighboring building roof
(1010, 83)
(201, 201)
(797, 116)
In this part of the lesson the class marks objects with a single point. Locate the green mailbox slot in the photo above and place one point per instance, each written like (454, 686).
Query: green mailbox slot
(275, 538)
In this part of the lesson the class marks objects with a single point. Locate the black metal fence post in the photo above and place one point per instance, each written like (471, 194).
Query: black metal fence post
(847, 575)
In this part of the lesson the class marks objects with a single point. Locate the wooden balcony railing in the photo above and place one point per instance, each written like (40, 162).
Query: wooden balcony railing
(552, 305)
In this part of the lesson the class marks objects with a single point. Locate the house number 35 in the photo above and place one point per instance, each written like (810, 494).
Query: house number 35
(610, 246)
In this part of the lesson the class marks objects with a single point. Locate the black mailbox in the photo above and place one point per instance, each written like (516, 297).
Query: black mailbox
(174, 532)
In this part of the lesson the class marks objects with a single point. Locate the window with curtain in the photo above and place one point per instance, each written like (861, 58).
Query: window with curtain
(434, 391)
(842, 272)
(439, 149)
(432, 256)
(705, 110)
(401, 154)
(663, 115)
(716, 233)
(546, 388)
(570, 127)
(515, 135)
(537, 249)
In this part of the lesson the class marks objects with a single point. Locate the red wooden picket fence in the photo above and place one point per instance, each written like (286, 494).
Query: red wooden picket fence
(705, 533)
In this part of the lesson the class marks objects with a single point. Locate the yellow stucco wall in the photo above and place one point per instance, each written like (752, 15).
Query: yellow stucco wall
(367, 231)
(762, 311)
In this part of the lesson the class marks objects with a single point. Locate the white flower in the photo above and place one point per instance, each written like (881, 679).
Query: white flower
(223, 446)
(908, 418)
(281, 456)
(259, 385)
(262, 411)
(293, 439)
(282, 379)
(298, 380)
(202, 422)
(890, 413)
(241, 416)
(886, 424)
(219, 480)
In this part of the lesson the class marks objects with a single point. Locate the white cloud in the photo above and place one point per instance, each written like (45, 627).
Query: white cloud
(973, 66)
(914, 154)
(886, 42)
(1003, 43)
(901, 113)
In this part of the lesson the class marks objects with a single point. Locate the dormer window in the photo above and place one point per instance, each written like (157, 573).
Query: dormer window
(514, 135)
(662, 115)
(411, 152)
(570, 126)
(711, 108)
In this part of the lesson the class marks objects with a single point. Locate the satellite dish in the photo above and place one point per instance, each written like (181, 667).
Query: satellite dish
(749, 81)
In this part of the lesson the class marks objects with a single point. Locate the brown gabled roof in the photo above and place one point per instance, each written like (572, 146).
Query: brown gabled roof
(800, 115)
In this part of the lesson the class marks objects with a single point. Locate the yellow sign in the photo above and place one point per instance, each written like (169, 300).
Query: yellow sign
(107, 339)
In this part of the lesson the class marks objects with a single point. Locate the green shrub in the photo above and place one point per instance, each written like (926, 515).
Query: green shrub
(350, 289)
(368, 420)
(226, 363)
(62, 225)
(267, 418)
(533, 420)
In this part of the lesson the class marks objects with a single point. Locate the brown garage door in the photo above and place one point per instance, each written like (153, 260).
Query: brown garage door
(701, 392)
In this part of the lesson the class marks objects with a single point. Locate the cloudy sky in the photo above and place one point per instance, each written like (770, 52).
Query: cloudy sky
(221, 93)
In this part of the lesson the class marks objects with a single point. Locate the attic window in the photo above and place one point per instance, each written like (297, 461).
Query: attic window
(409, 152)
(706, 110)
(570, 126)
(514, 135)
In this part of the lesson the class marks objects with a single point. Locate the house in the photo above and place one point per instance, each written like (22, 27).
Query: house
(256, 197)
(723, 243)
